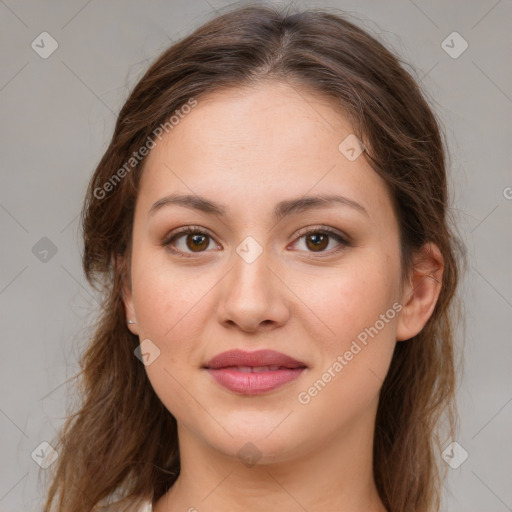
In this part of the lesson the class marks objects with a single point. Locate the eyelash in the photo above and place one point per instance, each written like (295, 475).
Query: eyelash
(195, 230)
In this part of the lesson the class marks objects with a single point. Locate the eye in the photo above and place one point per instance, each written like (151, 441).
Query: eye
(317, 240)
(192, 239)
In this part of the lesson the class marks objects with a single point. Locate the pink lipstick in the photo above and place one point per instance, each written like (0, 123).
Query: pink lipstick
(253, 373)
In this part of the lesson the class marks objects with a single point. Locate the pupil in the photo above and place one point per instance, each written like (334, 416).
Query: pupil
(197, 243)
(318, 240)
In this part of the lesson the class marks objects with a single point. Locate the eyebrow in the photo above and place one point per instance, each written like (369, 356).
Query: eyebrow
(282, 209)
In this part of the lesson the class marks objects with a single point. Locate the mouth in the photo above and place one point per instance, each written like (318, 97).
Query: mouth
(253, 369)
(253, 373)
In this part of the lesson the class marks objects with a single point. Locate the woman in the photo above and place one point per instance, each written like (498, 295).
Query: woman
(270, 227)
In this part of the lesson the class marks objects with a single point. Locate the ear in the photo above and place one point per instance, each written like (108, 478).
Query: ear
(122, 268)
(421, 292)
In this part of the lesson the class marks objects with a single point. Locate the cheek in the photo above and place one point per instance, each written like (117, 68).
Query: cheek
(353, 362)
(167, 298)
(348, 300)
(359, 306)
(170, 313)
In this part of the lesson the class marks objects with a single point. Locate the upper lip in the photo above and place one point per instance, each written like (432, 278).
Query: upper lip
(257, 358)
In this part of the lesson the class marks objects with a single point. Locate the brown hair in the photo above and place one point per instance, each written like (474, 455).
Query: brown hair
(104, 447)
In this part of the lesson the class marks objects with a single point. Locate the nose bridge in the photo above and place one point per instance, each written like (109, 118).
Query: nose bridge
(251, 276)
(252, 294)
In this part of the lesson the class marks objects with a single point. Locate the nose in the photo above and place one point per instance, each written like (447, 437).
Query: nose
(253, 296)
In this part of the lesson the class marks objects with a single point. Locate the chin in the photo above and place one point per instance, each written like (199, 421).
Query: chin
(251, 447)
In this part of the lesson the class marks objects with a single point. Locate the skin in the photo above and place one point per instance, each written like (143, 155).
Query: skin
(249, 149)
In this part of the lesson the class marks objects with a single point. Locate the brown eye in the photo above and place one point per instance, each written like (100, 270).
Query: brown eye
(317, 241)
(197, 242)
(187, 241)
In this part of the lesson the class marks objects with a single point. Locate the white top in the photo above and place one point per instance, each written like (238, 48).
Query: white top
(139, 505)
(146, 507)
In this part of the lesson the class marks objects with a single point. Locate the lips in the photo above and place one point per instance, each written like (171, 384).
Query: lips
(256, 369)
(258, 359)
(252, 373)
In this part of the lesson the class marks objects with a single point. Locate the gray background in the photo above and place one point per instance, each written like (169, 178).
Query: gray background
(57, 117)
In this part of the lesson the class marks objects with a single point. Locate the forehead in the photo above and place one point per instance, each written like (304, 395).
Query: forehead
(261, 143)
(270, 118)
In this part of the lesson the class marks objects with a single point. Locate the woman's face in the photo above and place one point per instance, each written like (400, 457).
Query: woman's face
(251, 280)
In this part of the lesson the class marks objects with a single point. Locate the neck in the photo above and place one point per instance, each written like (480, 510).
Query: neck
(336, 476)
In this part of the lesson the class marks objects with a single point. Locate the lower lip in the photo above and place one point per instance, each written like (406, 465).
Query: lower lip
(254, 383)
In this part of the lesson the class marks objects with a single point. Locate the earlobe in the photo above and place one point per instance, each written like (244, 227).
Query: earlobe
(420, 295)
(131, 318)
